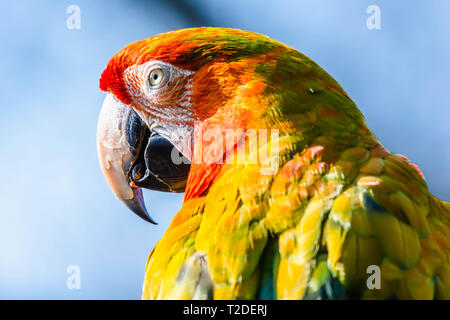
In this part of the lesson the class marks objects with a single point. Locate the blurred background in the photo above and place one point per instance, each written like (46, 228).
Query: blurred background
(56, 209)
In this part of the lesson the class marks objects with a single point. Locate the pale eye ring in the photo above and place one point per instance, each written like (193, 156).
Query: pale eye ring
(157, 78)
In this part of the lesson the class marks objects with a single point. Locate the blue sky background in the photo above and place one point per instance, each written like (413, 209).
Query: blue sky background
(56, 209)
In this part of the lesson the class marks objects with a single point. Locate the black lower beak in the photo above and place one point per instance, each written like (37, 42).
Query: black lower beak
(154, 168)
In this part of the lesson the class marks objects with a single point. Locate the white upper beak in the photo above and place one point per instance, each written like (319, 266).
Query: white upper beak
(115, 156)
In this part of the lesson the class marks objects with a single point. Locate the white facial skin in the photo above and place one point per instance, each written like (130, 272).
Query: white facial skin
(164, 103)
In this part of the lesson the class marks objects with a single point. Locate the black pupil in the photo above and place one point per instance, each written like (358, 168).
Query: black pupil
(155, 76)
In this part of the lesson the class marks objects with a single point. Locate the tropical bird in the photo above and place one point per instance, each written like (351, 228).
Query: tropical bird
(288, 194)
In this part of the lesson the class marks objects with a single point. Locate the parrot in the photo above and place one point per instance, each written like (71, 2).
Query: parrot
(287, 192)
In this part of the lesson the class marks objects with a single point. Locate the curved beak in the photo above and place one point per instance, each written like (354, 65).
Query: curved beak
(132, 157)
(116, 156)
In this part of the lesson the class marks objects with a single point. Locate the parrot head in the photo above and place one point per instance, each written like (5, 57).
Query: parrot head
(159, 90)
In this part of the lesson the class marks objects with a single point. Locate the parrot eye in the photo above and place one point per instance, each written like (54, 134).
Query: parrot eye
(157, 78)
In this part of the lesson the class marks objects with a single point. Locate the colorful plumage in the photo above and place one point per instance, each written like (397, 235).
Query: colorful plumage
(336, 203)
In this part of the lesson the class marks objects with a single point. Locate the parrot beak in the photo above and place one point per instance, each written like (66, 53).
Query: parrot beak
(132, 157)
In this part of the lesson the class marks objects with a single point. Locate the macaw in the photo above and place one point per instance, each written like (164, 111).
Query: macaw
(316, 208)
